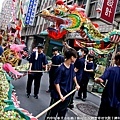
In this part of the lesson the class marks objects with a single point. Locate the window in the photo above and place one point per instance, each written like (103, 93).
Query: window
(92, 10)
(35, 20)
(38, 6)
(118, 7)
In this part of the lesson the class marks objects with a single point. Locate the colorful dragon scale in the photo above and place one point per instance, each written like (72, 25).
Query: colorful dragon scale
(4, 100)
(73, 22)
(9, 105)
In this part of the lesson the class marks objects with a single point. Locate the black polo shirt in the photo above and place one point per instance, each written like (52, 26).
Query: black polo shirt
(37, 64)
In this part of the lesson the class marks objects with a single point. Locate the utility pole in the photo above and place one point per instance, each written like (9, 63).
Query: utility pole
(87, 8)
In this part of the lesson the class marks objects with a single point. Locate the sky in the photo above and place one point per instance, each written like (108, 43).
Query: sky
(1, 1)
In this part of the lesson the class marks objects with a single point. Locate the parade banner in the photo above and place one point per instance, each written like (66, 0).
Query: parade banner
(108, 10)
(30, 16)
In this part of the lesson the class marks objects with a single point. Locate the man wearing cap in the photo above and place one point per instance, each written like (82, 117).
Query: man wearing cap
(57, 59)
(37, 60)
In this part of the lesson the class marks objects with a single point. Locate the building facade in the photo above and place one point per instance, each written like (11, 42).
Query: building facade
(32, 34)
(6, 13)
(10, 12)
(104, 27)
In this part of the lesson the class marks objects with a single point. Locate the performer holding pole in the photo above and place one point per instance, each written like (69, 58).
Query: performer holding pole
(63, 85)
(110, 101)
(57, 59)
(37, 60)
(53, 105)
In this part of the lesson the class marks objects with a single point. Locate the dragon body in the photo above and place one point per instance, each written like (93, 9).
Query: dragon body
(72, 18)
(9, 105)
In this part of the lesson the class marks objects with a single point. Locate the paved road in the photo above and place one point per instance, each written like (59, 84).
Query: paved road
(35, 106)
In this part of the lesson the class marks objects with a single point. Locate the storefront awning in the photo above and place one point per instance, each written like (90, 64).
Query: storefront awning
(44, 32)
(73, 35)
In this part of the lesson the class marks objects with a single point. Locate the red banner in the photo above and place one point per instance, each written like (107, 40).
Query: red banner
(108, 10)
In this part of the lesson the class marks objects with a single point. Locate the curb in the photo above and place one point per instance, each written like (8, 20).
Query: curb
(95, 94)
(73, 112)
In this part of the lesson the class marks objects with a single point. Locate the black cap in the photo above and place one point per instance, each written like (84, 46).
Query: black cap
(55, 49)
(40, 45)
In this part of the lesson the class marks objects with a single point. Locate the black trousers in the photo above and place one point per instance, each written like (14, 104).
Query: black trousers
(52, 76)
(57, 112)
(106, 111)
(37, 79)
(83, 87)
(72, 96)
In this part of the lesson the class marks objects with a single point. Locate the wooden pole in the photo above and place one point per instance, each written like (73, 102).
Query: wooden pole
(102, 85)
(32, 71)
(55, 65)
(46, 110)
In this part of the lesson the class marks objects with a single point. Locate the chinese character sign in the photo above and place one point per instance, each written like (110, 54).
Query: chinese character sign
(30, 16)
(108, 10)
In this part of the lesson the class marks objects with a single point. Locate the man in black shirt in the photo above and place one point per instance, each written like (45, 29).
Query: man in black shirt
(57, 59)
(37, 60)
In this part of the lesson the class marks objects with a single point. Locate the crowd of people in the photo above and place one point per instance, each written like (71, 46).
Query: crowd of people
(71, 71)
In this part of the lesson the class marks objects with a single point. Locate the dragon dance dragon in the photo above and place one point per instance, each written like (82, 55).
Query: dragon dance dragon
(72, 18)
(9, 105)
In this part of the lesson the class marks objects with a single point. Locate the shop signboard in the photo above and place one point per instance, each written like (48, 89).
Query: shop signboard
(30, 16)
(108, 10)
